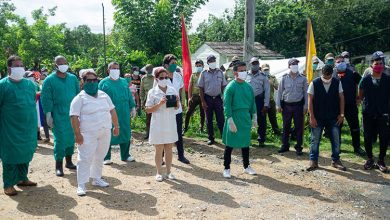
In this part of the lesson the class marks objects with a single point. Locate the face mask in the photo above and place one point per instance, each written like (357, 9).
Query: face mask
(213, 65)
(378, 68)
(326, 81)
(330, 62)
(17, 73)
(315, 66)
(294, 68)
(114, 74)
(199, 69)
(341, 67)
(62, 68)
(162, 83)
(242, 75)
(128, 80)
(172, 67)
(266, 72)
(91, 88)
(136, 73)
(255, 68)
(346, 60)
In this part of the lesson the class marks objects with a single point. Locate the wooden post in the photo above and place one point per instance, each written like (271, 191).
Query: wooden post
(249, 33)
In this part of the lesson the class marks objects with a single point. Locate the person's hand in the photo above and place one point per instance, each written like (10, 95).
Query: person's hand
(204, 106)
(313, 122)
(358, 101)
(304, 111)
(340, 120)
(115, 131)
(254, 121)
(189, 100)
(163, 100)
(49, 120)
(133, 113)
(264, 110)
(79, 139)
(280, 110)
(232, 126)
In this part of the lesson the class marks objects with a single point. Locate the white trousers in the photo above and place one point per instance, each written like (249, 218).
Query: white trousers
(91, 154)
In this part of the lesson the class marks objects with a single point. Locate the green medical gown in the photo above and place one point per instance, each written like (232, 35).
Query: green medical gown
(239, 103)
(123, 100)
(18, 121)
(56, 95)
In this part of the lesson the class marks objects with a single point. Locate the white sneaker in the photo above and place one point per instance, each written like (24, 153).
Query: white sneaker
(226, 173)
(100, 182)
(81, 191)
(107, 162)
(159, 178)
(249, 170)
(171, 176)
(130, 159)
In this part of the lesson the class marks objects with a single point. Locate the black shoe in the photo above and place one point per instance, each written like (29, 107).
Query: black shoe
(283, 149)
(210, 142)
(184, 160)
(298, 150)
(369, 164)
(359, 151)
(59, 170)
(261, 144)
(69, 164)
(382, 166)
(163, 163)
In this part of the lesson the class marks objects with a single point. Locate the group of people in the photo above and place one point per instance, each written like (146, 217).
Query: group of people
(96, 114)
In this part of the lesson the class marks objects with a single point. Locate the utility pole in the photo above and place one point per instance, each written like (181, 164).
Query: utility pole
(104, 42)
(249, 33)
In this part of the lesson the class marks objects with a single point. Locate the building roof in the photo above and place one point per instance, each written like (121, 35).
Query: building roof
(237, 48)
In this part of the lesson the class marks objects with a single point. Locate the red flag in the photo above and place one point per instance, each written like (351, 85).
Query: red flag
(186, 57)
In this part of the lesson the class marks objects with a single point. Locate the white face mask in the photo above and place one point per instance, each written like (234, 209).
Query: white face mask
(213, 65)
(114, 73)
(326, 81)
(346, 60)
(163, 83)
(17, 73)
(63, 68)
(294, 68)
(136, 73)
(242, 75)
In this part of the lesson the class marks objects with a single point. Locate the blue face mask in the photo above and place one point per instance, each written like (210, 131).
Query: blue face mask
(341, 67)
(199, 69)
(315, 66)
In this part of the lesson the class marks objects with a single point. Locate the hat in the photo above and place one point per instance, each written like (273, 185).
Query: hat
(199, 61)
(292, 60)
(315, 59)
(377, 55)
(329, 56)
(235, 59)
(345, 53)
(254, 59)
(265, 66)
(209, 57)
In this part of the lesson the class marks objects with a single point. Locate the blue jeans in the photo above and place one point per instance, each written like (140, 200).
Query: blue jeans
(315, 139)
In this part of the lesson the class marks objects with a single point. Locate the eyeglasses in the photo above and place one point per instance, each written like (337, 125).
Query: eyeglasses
(162, 78)
(91, 80)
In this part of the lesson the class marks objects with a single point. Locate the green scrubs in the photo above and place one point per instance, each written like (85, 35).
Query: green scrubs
(56, 96)
(239, 103)
(18, 129)
(121, 96)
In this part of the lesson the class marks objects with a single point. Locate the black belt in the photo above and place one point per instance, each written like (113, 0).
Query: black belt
(213, 97)
(293, 103)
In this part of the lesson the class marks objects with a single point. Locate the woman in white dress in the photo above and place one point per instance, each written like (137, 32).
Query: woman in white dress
(163, 123)
(93, 116)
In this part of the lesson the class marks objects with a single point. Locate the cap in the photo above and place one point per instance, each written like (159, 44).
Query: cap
(329, 56)
(199, 61)
(377, 55)
(315, 59)
(345, 53)
(292, 60)
(265, 66)
(235, 59)
(211, 56)
(254, 59)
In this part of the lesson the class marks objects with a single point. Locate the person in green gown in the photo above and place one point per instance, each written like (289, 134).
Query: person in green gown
(120, 94)
(240, 113)
(18, 126)
(58, 91)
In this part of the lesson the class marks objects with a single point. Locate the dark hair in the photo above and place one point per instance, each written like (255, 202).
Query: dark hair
(158, 71)
(327, 70)
(12, 59)
(168, 58)
(339, 57)
(238, 64)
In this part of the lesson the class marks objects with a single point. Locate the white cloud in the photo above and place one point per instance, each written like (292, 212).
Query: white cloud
(89, 12)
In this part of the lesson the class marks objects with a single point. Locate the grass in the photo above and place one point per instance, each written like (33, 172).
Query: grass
(273, 141)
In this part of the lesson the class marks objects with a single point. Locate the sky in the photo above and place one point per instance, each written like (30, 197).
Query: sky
(89, 12)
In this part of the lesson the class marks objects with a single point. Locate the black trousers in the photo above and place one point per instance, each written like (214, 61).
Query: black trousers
(352, 117)
(227, 156)
(179, 142)
(382, 125)
(195, 101)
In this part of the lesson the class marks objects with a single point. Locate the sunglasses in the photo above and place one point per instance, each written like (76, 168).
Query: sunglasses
(91, 80)
(162, 78)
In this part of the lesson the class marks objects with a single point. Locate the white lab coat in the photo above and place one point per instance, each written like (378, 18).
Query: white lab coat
(95, 127)
(163, 122)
